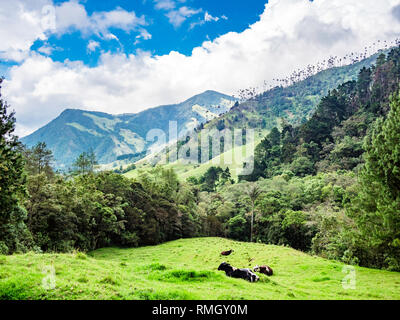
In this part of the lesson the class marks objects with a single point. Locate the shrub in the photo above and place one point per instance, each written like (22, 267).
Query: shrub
(81, 256)
(156, 267)
(3, 248)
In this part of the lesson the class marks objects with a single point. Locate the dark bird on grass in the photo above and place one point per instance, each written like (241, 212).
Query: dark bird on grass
(226, 253)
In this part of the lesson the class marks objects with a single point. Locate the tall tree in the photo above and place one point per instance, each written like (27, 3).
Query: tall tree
(14, 235)
(275, 137)
(253, 193)
(39, 159)
(92, 160)
(210, 178)
(376, 210)
(85, 163)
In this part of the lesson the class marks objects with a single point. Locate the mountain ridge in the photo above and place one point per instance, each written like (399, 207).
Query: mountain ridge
(114, 135)
(294, 103)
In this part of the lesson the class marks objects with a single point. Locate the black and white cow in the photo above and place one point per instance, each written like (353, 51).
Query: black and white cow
(233, 272)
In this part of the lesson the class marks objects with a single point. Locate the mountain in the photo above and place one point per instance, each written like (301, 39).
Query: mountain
(122, 137)
(295, 103)
(334, 137)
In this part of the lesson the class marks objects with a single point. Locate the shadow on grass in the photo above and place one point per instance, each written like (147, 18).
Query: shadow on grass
(185, 276)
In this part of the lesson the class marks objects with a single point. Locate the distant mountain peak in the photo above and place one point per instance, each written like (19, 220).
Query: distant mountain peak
(122, 136)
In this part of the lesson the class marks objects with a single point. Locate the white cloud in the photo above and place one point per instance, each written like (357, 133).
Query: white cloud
(165, 4)
(72, 16)
(48, 49)
(207, 18)
(92, 46)
(21, 23)
(177, 17)
(111, 36)
(25, 21)
(289, 35)
(144, 34)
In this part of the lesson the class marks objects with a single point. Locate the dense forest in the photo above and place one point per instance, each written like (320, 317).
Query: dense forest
(330, 186)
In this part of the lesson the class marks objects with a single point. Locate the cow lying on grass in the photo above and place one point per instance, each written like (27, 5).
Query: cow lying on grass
(233, 272)
(226, 253)
(264, 269)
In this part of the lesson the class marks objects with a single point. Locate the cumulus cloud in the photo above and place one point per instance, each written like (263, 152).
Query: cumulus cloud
(72, 16)
(290, 34)
(22, 24)
(25, 21)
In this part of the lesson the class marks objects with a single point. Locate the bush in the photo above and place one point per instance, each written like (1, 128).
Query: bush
(81, 256)
(237, 228)
(156, 267)
(3, 248)
(302, 166)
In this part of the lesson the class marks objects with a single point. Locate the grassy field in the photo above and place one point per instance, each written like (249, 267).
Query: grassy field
(187, 269)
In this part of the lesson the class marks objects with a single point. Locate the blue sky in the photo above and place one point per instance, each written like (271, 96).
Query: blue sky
(224, 16)
(125, 56)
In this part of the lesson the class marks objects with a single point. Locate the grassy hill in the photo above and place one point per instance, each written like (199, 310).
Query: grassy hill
(185, 170)
(187, 269)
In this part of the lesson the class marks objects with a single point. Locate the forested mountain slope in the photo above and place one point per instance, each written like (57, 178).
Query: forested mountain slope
(122, 137)
(333, 137)
(295, 104)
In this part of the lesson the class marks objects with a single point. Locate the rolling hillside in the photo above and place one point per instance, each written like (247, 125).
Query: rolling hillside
(122, 137)
(185, 170)
(186, 270)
